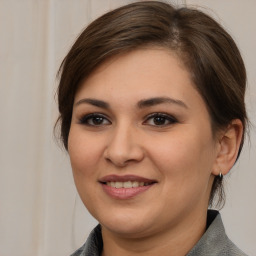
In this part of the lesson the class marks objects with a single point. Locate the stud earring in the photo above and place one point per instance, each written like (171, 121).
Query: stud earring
(220, 175)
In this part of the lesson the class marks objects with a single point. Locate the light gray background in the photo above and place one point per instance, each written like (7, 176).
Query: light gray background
(40, 211)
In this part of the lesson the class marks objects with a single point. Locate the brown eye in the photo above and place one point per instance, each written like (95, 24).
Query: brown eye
(94, 120)
(160, 119)
(97, 120)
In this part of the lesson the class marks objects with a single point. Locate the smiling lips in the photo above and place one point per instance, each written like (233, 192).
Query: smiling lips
(125, 187)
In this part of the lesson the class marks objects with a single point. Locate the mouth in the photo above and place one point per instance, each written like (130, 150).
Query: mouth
(127, 184)
(126, 181)
(125, 187)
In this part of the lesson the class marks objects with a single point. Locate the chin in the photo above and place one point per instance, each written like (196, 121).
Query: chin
(132, 225)
(127, 230)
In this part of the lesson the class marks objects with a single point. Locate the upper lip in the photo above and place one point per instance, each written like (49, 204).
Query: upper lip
(124, 178)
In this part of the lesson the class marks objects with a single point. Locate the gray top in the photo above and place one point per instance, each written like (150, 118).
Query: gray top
(214, 242)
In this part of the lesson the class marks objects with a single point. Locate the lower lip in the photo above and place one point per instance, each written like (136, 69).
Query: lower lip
(125, 193)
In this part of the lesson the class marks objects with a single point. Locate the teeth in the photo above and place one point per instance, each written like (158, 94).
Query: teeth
(135, 184)
(118, 184)
(127, 184)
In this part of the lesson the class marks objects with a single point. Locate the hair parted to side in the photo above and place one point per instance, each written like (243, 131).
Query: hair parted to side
(207, 50)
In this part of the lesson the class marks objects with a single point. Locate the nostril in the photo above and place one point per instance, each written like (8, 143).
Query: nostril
(118, 161)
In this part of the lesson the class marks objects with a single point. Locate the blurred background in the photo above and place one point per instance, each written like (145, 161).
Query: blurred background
(40, 211)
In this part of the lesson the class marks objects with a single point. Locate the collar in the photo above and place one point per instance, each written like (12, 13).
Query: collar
(214, 242)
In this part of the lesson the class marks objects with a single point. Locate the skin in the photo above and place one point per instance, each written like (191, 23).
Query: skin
(180, 153)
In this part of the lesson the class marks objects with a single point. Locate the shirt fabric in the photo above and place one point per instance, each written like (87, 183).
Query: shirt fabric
(214, 242)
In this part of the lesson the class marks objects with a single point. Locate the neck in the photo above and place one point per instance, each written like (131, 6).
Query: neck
(177, 241)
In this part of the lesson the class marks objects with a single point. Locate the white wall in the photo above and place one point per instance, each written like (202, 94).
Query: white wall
(40, 212)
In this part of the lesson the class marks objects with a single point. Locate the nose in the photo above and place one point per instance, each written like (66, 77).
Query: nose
(124, 146)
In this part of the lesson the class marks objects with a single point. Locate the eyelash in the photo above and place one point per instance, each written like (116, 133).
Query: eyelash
(85, 120)
(166, 117)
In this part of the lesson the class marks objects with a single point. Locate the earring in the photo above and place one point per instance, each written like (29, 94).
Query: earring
(220, 175)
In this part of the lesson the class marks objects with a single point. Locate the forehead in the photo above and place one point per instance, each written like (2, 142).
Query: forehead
(146, 71)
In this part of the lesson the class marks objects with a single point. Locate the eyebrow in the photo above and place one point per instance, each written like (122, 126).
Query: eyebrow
(160, 100)
(141, 104)
(94, 102)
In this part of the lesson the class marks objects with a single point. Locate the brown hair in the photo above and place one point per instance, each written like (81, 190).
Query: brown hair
(207, 50)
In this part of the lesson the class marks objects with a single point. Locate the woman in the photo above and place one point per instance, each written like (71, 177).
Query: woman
(152, 113)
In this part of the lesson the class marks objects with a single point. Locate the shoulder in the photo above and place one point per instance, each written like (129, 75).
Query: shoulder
(93, 246)
(215, 242)
(232, 249)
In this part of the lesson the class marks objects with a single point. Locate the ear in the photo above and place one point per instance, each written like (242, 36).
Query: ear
(228, 146)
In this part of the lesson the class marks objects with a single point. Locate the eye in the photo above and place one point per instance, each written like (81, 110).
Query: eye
(160, 119)
(94, 120)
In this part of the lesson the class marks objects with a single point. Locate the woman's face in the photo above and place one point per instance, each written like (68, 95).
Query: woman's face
(141, 145)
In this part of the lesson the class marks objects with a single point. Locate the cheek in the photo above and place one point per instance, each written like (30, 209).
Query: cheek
(184, 163)
(184, 154)
(84, 152)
